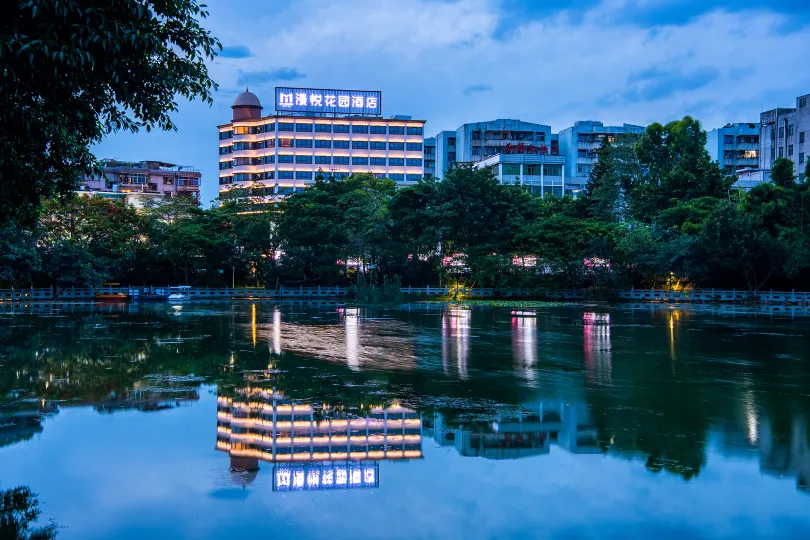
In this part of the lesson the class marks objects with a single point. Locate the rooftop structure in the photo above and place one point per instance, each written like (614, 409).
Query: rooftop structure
(150, 178)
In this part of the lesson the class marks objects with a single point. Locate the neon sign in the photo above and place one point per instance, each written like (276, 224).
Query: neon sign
(323, 100)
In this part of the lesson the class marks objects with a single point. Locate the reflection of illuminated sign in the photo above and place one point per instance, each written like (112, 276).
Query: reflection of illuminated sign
(322, 100)
(314, 476)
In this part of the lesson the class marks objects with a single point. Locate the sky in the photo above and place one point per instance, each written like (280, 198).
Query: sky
(455, 61)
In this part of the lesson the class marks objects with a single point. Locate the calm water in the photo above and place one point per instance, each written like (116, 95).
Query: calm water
(222, 421)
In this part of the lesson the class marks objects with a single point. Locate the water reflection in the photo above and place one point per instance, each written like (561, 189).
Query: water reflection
(456, 341)
(596, 343)
(524, 344)
(313, 446)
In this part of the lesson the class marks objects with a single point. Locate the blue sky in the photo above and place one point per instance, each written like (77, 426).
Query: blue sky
(455, 61)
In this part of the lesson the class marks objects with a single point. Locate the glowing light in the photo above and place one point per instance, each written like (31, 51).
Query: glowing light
(316, 100)
(357, 101)
(343, 101)
(285, 100)
(298, 479)
(371, 102)
(341, 477)
(368, 476)
(301, 99)
(330, 100)
(354, 477)
(283, 478)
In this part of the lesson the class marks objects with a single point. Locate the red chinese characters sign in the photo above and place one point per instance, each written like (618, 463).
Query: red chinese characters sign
(522, 148)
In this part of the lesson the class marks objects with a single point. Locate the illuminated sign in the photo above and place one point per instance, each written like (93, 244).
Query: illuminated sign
(326, 476)
(321, 100)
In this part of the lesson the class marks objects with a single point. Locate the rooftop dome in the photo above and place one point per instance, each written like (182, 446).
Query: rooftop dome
(247, 99)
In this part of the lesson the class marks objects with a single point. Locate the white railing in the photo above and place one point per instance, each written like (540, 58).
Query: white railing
(702, 295)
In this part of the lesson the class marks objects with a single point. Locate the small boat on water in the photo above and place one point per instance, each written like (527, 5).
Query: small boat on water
(110, 297)
(180, 293)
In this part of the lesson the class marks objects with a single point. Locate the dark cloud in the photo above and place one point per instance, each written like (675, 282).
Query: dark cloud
(476, 89)
(261, 77)
(237, 51)
(655, 83)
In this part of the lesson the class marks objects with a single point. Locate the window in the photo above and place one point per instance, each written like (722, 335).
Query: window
(340, 144)
(451, 141)
(269, 128)
(285, 143)
(413, 146)
(285, 175)
(241, 146)
(377, 161)
(396, 162)
(790, 150)
(225, 180)
(303, 175)
(532, 170)
(801, 158)
(360, 145)
(323, 128)
(773, 154)
(303, 127)
(323, 160)
(802, 102)
(781, 132)
(227, 149)
(340, 128)
(414, 131)
(241, 130)
(359, 161)
(269, 159)
(728, 139)
(340, 160)
(396, 146)
(781, 152)
(303, 159)
(225, 135)
(396, 130)
(399, 177)
(377, 130)
(242, 161)
(552, 170)
(284, 158)
(303, 143)
(414, 162)
(413, 177)
(323, 144)
(790, 130)
(168, 180)
(256, 145)
(285, 126)
(269, 143)
(241, 177)
(801, 137)
(223, 165)
(377, 145)
(359, 129)
(510, 169)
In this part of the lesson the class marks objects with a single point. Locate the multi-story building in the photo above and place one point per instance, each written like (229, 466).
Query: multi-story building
(273, 156)
(478, 141)
(785, 132)
(580, 145)
(542, 174)
(735, 147)
(154, 178)
(430, 157)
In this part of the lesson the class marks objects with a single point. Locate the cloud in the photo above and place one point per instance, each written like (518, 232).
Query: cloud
(476, 89)
(655, 83)
(261, 77)
(236, 51)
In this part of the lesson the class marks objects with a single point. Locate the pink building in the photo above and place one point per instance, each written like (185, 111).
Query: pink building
(153, 177)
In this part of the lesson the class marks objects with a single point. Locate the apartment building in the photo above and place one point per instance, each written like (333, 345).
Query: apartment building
(542, 174)
(430, 157)
(315, 132)
(735, 147)
(138, 180)
(784, 132)
(580, 145)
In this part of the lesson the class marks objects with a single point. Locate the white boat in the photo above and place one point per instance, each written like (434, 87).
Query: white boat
(179, 293)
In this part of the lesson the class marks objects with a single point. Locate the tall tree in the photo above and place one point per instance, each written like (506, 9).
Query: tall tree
(72, 71)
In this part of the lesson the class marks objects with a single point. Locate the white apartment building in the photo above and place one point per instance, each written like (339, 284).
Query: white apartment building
(580, 145)
(542, 174)
(274, 156)
(734, 147)
(785, 132)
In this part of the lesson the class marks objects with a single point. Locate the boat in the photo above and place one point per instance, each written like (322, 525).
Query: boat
(179, 293)
(110, 297)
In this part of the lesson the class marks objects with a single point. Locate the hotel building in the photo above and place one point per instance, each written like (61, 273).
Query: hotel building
(269, 157)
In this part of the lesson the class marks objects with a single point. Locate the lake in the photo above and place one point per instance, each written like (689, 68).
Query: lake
(235, 420)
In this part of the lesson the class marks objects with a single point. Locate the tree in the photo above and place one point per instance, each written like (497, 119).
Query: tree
(73, 71)
(19, 260)
(19, 508)
(782, 173)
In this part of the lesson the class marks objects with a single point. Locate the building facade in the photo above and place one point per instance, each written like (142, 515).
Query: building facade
(478, 141)
(734, 147)
(784, 132)
(155, 178)
(542, 174)
(430, 157)
(580, 145)
(273, 156)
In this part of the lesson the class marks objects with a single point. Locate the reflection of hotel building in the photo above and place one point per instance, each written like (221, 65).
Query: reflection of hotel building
(530, 432)
(261, 424)
(456, 341)
(272, 156)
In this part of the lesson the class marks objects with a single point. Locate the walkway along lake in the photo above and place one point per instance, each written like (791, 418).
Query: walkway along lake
(221, 420)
